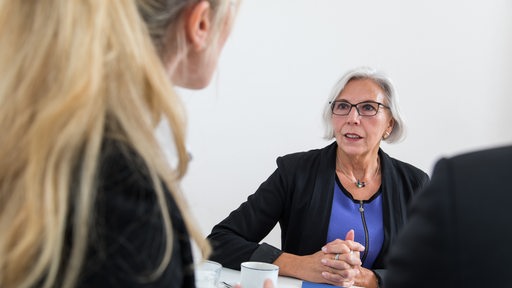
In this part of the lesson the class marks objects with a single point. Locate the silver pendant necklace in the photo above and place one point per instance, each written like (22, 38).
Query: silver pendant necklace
(358, 182)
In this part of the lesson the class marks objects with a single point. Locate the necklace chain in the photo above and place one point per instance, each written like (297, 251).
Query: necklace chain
(358, 182)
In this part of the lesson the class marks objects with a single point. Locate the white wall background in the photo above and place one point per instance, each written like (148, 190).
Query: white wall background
(451, 61)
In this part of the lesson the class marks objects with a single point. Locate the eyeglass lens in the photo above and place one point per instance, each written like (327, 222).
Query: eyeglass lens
(343, 108)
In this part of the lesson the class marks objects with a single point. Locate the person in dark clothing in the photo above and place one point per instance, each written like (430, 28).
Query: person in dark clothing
(457, 234)
(87, 196)
(349, 196)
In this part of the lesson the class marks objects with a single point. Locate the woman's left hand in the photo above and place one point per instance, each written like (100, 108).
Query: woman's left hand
(267, 284)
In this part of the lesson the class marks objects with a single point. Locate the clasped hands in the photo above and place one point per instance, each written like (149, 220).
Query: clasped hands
(341, 261)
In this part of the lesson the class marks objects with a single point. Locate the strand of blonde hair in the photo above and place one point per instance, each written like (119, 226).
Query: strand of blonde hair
(53, 115)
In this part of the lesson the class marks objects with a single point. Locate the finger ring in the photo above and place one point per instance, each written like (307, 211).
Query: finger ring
(337, 256)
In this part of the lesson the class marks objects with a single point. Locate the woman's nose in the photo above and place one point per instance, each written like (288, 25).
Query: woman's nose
(353, 116)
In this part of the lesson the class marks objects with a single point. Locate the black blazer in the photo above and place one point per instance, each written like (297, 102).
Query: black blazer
(298, 196)
(459, 232)
(126, 243)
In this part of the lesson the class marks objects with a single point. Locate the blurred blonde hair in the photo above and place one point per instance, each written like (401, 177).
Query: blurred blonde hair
(72, 70)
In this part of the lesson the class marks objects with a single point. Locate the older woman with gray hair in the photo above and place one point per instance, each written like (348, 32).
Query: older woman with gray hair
(339, 207)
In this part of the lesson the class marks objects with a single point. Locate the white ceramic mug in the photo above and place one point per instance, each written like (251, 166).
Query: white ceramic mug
(207, 274)
(254, 274)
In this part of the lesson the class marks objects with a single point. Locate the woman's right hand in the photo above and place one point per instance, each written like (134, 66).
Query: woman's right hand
(342, 257)
(322, 266)
(312, 268)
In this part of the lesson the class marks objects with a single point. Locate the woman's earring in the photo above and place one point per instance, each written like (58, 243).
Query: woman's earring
(386, 135)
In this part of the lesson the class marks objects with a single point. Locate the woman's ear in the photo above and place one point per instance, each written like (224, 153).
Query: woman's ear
(389, 129)
(391, 123)
(198, 25)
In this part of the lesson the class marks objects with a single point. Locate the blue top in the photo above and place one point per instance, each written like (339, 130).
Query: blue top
(364, 216)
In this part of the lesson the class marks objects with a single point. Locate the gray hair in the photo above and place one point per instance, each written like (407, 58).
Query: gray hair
(385, 83)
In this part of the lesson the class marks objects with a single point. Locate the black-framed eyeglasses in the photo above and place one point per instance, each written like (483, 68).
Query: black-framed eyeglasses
(365, 108)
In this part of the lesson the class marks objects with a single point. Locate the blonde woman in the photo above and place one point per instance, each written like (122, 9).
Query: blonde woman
(86, 197)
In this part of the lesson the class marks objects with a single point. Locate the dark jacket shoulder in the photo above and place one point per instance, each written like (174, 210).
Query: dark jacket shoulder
(484, 158)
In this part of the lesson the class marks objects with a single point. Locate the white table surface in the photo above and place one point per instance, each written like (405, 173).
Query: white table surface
(231, 276)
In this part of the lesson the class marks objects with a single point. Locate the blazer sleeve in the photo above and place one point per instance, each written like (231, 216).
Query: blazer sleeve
(237, 238)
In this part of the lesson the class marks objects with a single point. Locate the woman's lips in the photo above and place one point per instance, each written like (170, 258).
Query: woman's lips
(352, 136)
